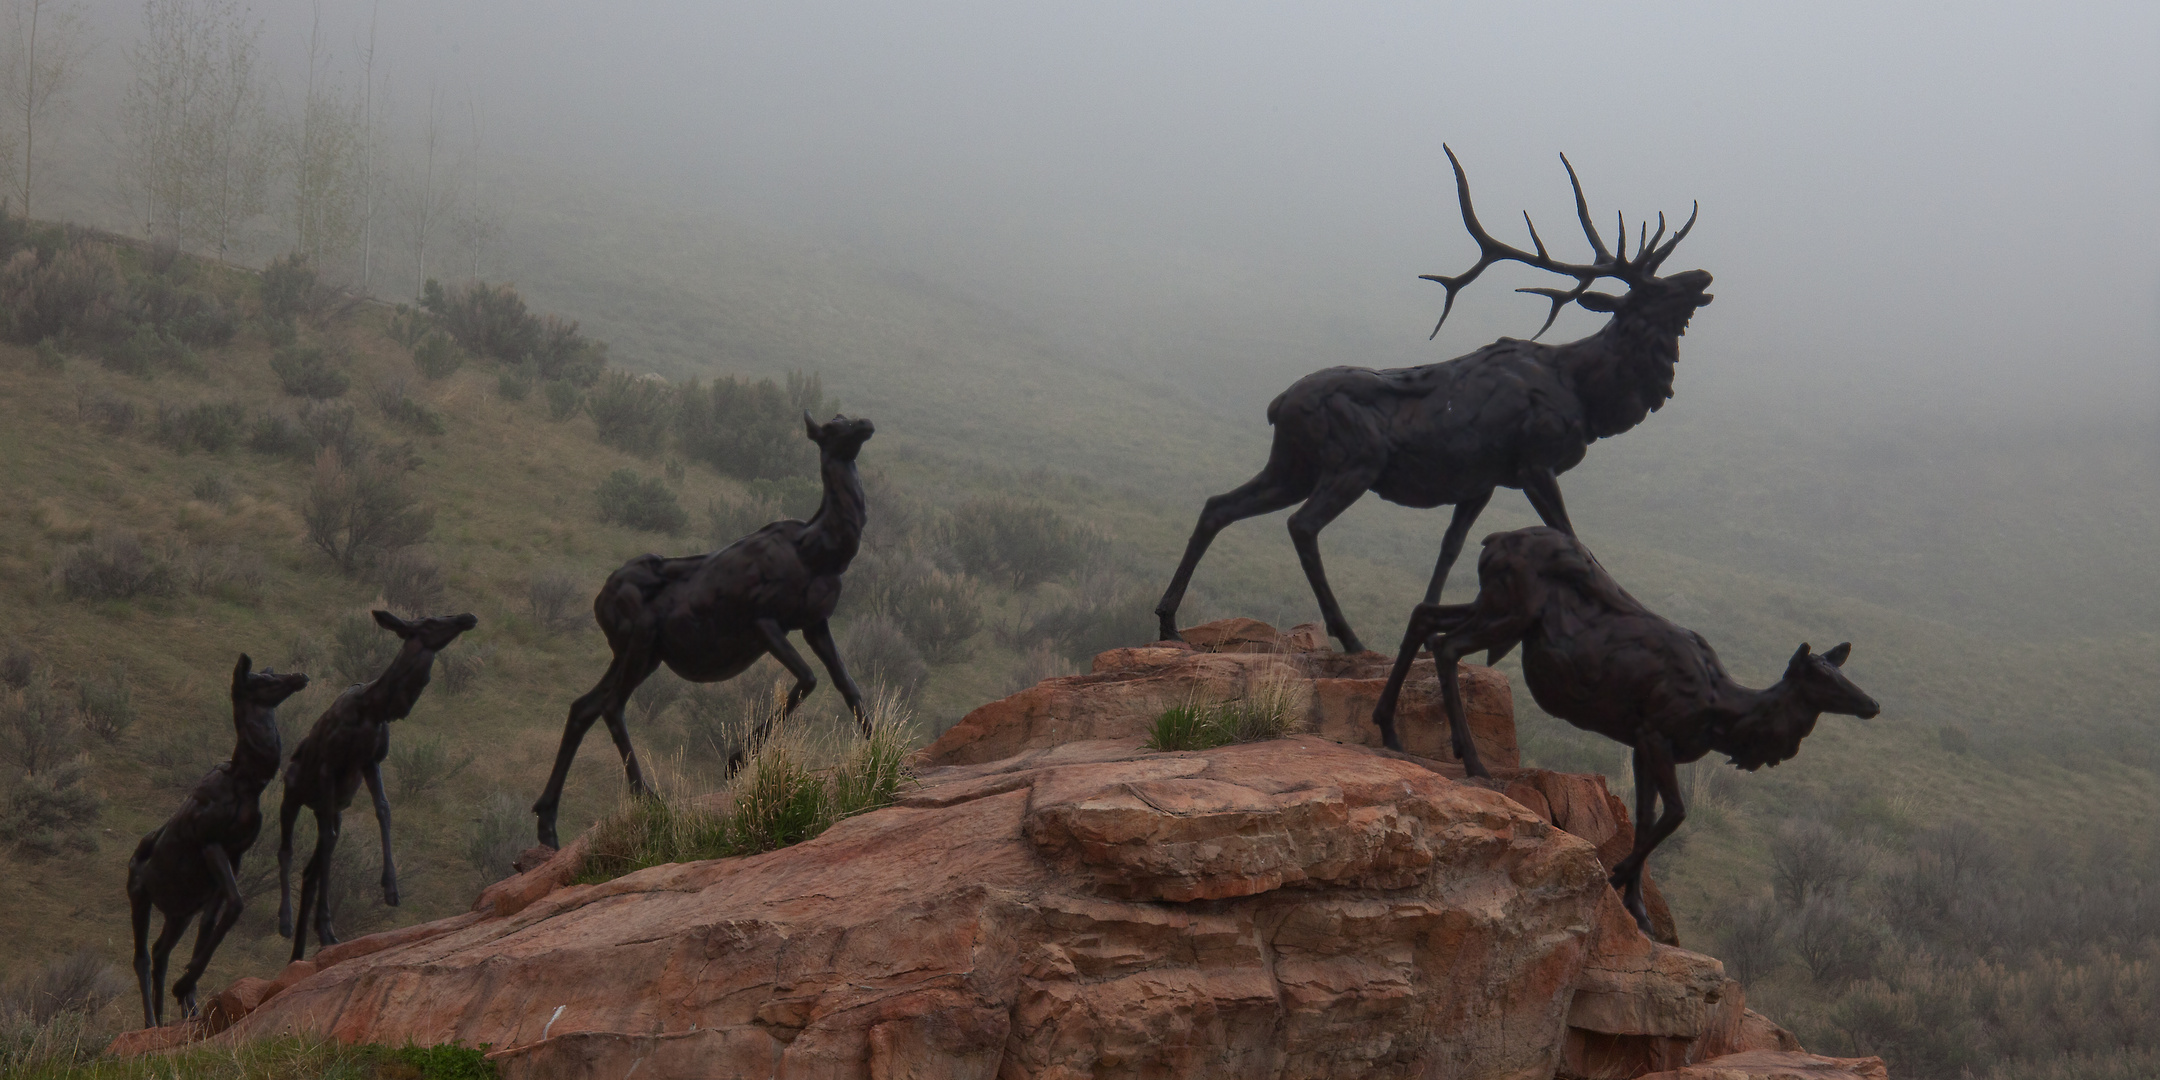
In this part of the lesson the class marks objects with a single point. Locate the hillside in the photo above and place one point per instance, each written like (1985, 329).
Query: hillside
(2005, 624)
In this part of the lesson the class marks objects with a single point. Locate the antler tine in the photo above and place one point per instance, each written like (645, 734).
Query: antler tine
(1533, 233)
(1657, 258)
(1560, 298)
(1582, 210)
(1622, 245)
(1491, 251)
(1651, 244)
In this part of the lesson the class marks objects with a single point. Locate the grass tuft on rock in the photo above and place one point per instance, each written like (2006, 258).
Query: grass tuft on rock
(790, 788)
(1271, 709)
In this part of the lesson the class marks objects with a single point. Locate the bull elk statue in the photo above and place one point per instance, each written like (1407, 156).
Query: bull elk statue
(1596, 658)
(1513, 414)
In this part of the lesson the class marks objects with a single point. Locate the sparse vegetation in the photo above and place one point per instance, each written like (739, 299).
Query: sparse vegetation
(1018, 541)
(114, 566)
(1270, 710)
(553, 599)
(361, 511)
(308, 372)
(646, 505)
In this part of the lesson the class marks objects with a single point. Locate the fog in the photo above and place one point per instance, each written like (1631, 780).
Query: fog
(1909, 216)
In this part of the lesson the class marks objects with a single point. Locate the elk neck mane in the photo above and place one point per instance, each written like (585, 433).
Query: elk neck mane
(834, 533)
(1622, 373)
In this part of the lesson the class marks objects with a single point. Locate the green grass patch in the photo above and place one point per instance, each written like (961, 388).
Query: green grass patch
(779, 798)
(279, 1059)
(1270, 711)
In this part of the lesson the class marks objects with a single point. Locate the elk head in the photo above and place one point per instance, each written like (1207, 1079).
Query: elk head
(1665, 302)
(840, 438)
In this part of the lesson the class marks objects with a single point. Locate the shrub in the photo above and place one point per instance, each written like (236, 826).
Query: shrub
(230, 572)
(275, 436)
(212, 488)
(560, 352)
(1040, 662)
(185, 315)
(108, 708)
(17, 665)
(939, 613)
(37, 729)
(461, 667)
(490, 320)
(146, 351)
(746, 429)
(437, 355)
(1020, 541)
(290, 287)
(1270, 710)
(113, 566)
(412, 583)
(553, 600)
(49, 356)
(514, 384)
(409, 326)
(421, 765)
(497, 835)
(74, 293)
(360, 512)
(564, 400)
(115, 414)
(645, 505)
(878, 654)
(80, 982)
(52, 812)
(211, 426)
(400, 407)
(1103, 613)
(656, 694)
(630, 411)
(360, 649)
(1808, 858)
(308, 372)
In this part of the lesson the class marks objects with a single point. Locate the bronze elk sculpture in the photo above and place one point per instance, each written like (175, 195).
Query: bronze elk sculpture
(709, 617)
(191, 863)
(1513, 414)
(345, 748)
(1597, 658)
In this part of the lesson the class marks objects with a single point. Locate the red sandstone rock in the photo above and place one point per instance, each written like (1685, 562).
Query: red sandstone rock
(129, 1044)
(1779, 1065)
(1130, 687)
(234, 1002)
(1372, 918)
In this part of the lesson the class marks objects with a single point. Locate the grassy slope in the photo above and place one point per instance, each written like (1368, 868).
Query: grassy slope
(1985, 606)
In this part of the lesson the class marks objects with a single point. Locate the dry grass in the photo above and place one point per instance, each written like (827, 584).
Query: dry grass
(1273, 707)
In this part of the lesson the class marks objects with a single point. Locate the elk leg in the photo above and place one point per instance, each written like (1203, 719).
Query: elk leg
(1326, 504)
(287, 811)
(607, 695)
(1263, 494)
(372, 773)
(1656, 780)
(819, 635)
(1425, 619)
(1542, 488)
(160, 950)
(1466, 515)
(776, 643)
(326, 849)
(139, 912)
(217, 921)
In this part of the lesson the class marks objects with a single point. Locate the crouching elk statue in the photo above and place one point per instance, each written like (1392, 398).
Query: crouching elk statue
(709, 617)
(1513, 414)
(1596, 658)
(191, 863)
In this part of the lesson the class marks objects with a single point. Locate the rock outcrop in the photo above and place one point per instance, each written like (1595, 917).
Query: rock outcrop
(1082, 907)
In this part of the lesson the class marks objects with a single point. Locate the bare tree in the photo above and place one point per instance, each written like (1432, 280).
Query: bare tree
(45, 53)
(474, 225)
(371, 178)
(427, 195)
(326, 153)
(196, 121)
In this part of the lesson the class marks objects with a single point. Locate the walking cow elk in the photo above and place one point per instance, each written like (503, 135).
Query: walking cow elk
(1513, 414)
(1596, 658)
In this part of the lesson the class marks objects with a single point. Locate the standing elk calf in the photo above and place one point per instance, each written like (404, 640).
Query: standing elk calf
(1513, 414)
(344, 748)
(191, 863)
(1596, 658)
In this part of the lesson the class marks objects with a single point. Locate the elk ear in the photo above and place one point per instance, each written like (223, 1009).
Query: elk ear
(811, 426)
(393, 624)
(240, 671)
(1837, 656)
(1798, 658)
(1597, 301)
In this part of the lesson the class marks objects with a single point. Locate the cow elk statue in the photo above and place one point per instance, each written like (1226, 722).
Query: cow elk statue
(1596, 658)
(345, 748)
(709, 617)
(1513, 414)
(191, 863)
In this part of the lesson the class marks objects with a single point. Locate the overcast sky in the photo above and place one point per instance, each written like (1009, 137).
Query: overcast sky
(1901, 206)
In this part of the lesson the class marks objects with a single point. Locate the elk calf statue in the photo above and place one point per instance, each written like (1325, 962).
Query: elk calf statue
(709, 617)
(1513, 414)
(1596, 658)
(344, 748)
(191, 863)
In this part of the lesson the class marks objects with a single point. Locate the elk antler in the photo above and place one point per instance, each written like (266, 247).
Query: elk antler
(1606, 264)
